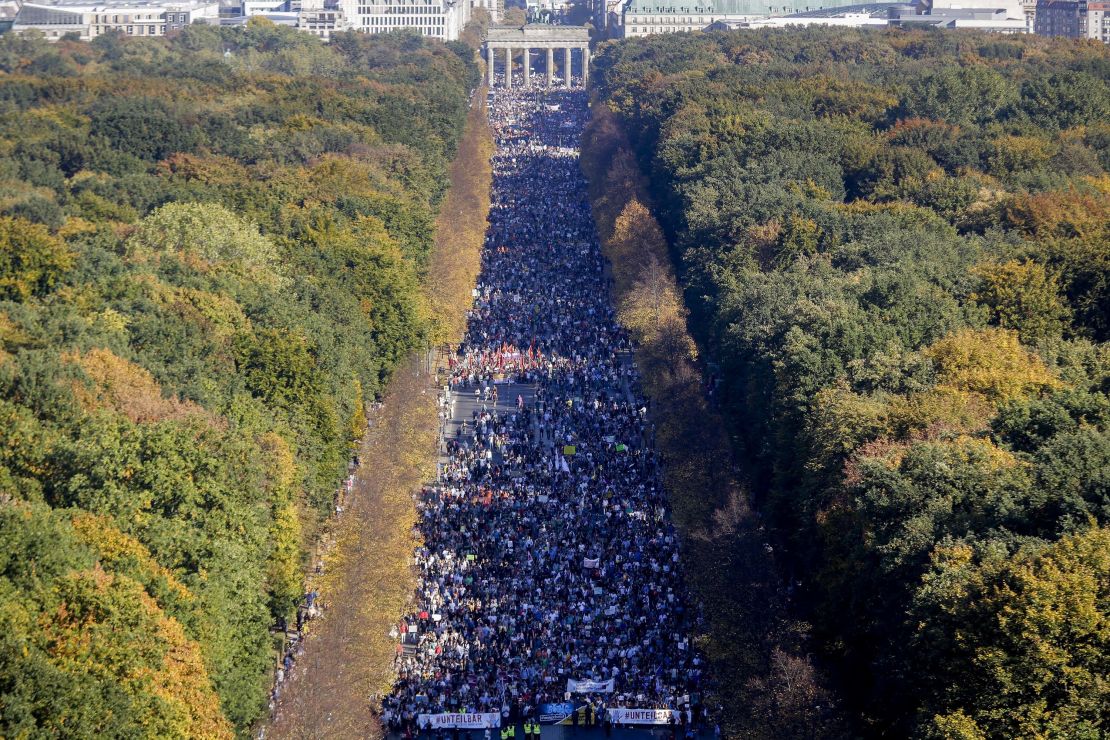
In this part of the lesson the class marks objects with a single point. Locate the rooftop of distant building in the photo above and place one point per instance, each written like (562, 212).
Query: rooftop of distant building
(735, 7)
(875, 10)
(87, 7)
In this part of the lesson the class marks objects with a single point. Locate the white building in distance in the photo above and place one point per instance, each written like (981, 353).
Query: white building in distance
(261, 7)
(129, 17)
(441, 19)
(8, 11)
(848, 20)
(650, 17)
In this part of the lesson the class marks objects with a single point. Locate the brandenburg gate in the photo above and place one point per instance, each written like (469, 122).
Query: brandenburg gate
(538, 37)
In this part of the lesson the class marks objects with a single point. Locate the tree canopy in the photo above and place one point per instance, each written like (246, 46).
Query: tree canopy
(212, 256)
(894, 246)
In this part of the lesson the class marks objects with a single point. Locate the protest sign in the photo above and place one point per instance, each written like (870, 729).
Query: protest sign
(462, 720)
(555, 713)
(622, 716)
(588, 687)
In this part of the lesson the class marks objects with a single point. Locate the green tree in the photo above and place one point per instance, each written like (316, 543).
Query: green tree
(144, 127)
(1020, 643)
(1022, 296)
(210, 235)
(1065, 98)
(971, 95)
(32, 261)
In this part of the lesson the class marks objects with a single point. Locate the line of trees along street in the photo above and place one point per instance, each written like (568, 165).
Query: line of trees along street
(212, 254)
(759, 655)
(895, 246)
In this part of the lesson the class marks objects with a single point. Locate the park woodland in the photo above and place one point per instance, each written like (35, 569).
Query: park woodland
(729, 383)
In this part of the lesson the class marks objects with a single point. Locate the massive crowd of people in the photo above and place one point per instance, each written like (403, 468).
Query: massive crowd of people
(548, 552)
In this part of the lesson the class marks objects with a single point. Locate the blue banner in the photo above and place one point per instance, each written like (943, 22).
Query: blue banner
(553, 713)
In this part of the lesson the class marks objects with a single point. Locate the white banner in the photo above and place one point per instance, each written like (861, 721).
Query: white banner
(642, 716)
(461, 720)
(589, 687)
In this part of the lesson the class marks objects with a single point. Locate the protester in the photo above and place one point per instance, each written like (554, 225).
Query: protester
(547, 548)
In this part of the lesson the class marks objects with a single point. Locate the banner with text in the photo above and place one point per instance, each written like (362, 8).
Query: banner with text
(589, 687)
(555, 712)
(462, 720)
(620, 716)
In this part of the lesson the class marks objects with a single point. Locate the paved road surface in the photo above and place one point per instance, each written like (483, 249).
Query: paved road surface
(559, 612)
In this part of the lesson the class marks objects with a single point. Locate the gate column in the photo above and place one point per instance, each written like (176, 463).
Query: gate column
(539, 38)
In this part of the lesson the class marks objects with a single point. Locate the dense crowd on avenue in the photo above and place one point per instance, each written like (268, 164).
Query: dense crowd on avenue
(548, 553)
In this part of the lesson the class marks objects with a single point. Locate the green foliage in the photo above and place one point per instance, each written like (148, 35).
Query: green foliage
(1022, 296)
(894, 246)
(88, 653)
(32, 260)
(1021, 641)
(209, 237)
(960, 95)
(143, 127)
(208, 265)
(1066, 99)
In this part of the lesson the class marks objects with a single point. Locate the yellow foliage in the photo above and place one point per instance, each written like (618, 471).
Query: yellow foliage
(100, 630)
(1066, 213)
(649, 302)
(32, 260)
(183, 682)
(956, 726)
(52, 116)
(286, 528)
(635, 239)
(10, 332)
(281, 464)
(1022, 296)
(113, 546)
(357, 423)
(1020, 152)
(884, 451)
(991, 362)
(939, 410)
(982, 453)
(301, 122)
(125, 388)
(111, 320)
(841, 418)
(460, 233)
(219, 314)
(212, 169)
(75, 226)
